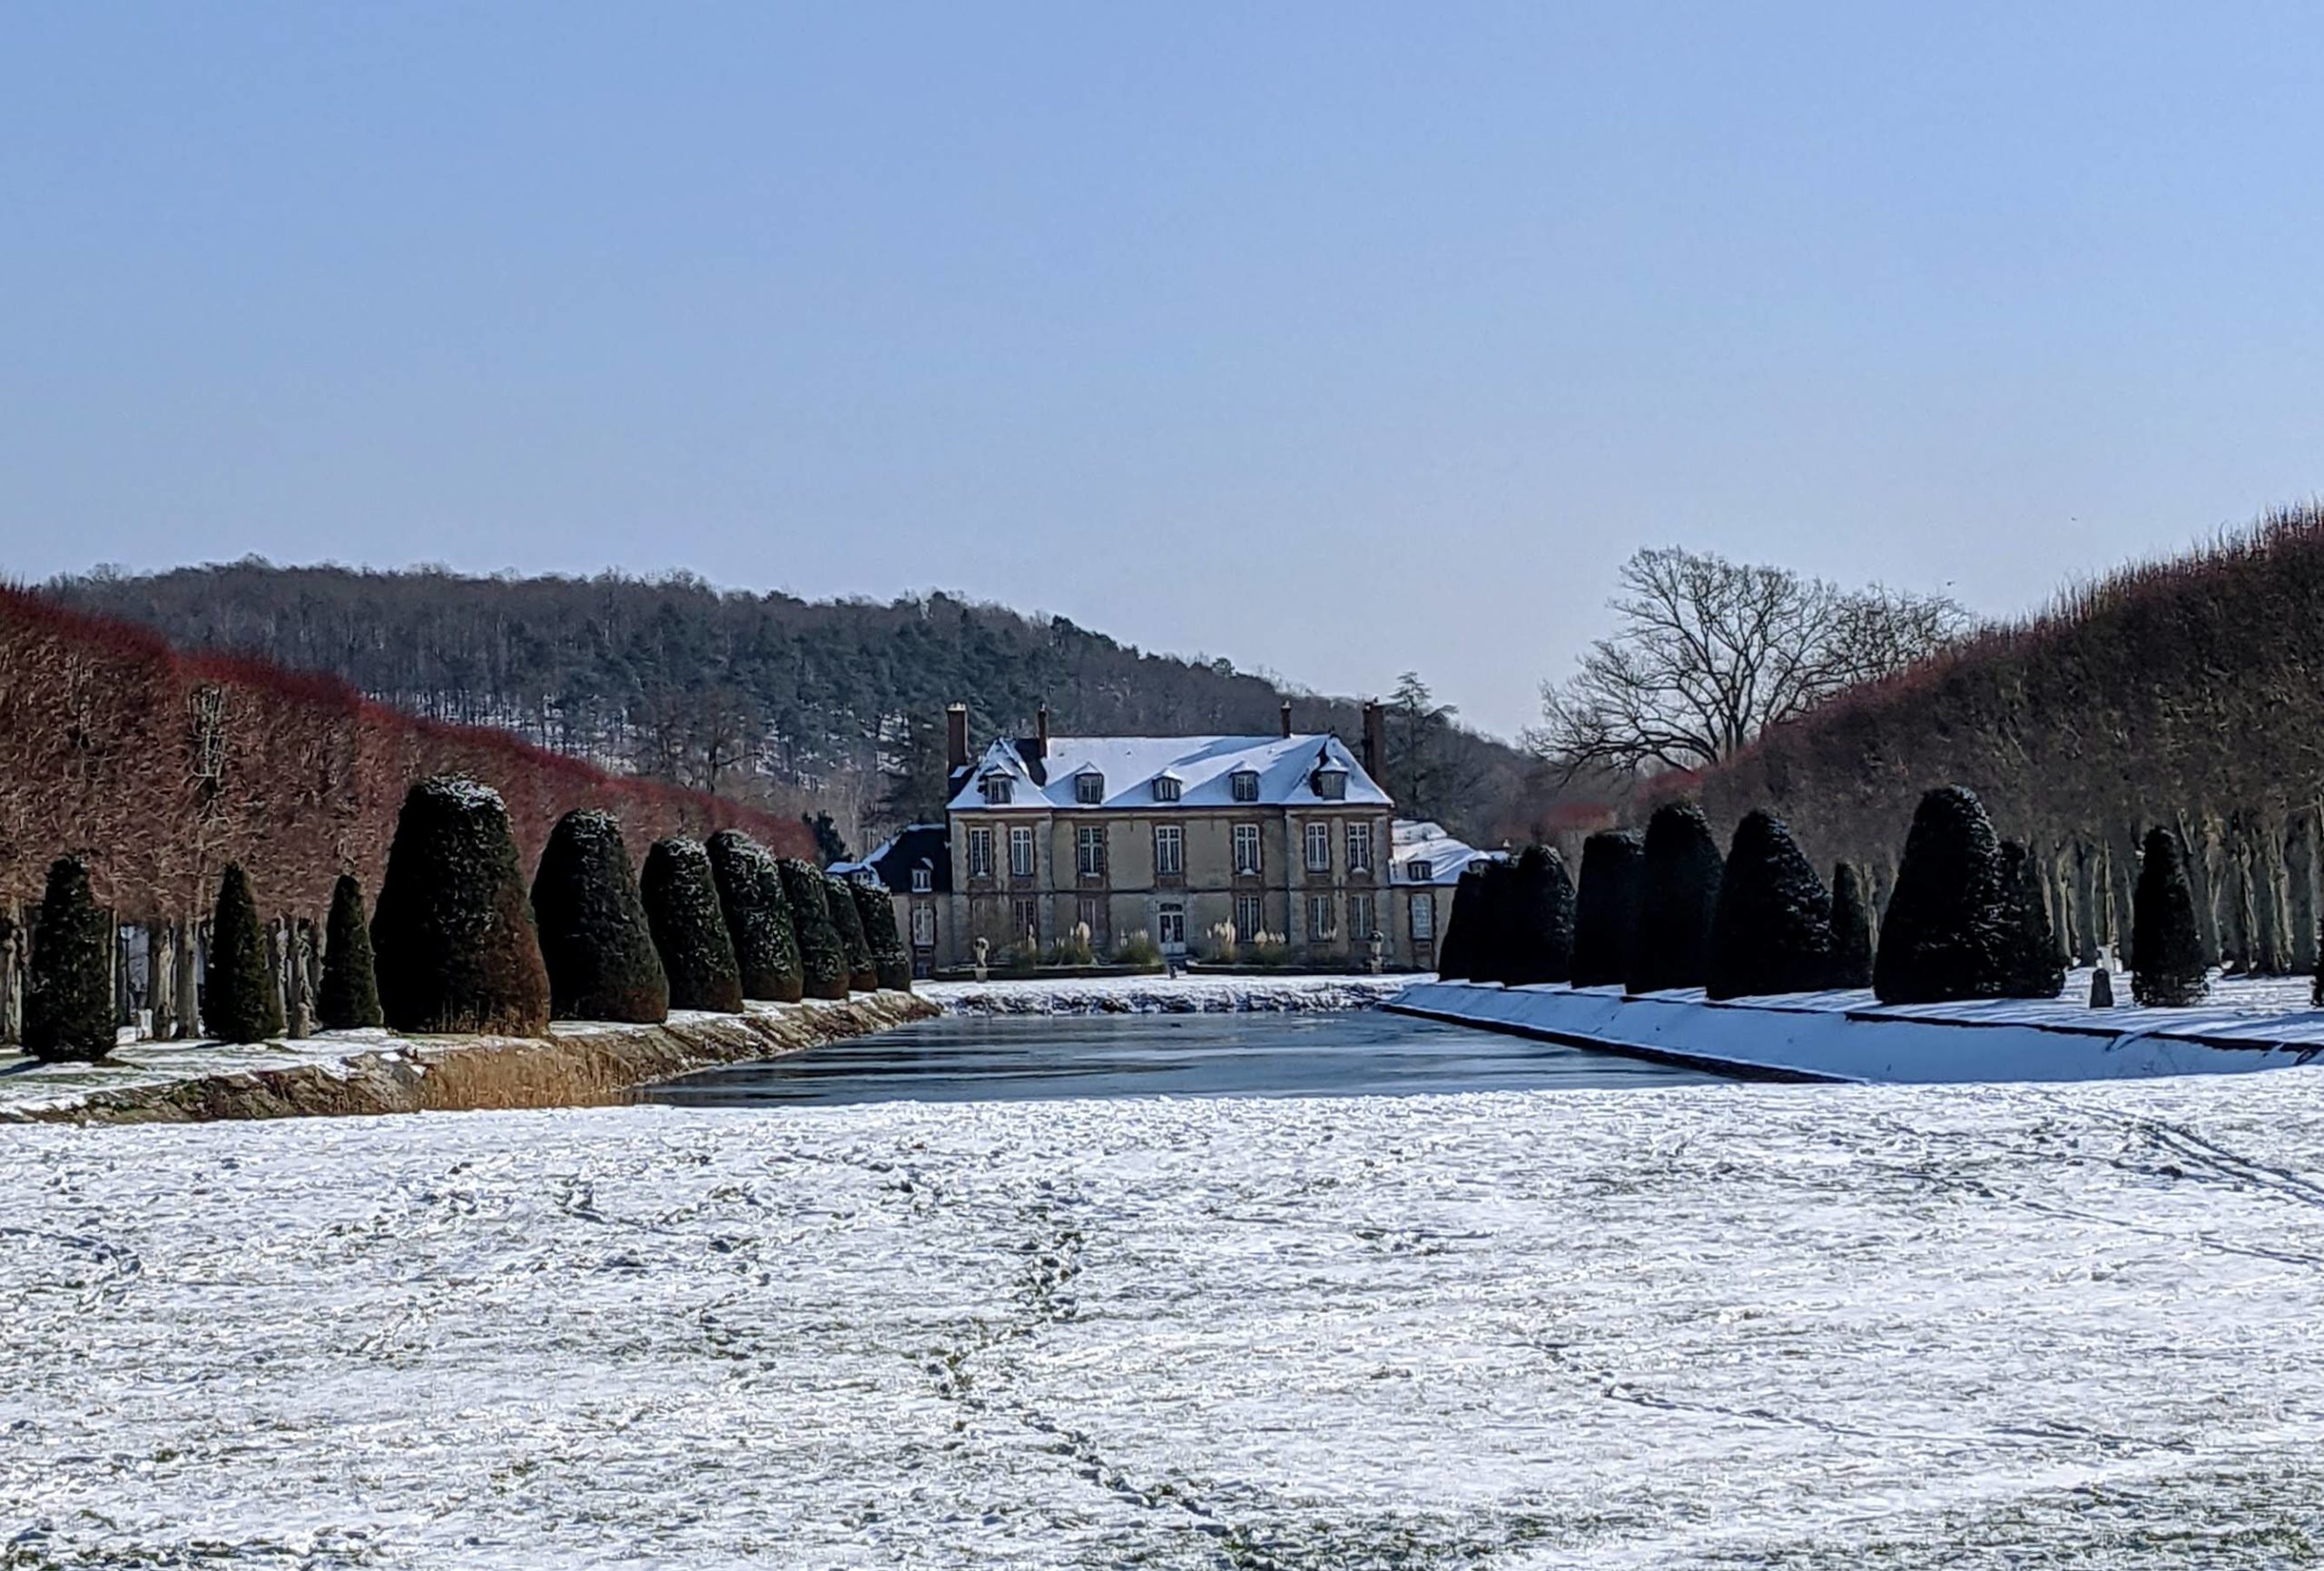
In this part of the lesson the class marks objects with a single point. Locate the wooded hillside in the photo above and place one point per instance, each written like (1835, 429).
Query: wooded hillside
(769, 699)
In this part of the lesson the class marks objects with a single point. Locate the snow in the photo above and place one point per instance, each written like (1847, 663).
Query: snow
(1418, 840)
(2247, 1025)
(1202, 763)
(1185, 994)
(1814, 1326)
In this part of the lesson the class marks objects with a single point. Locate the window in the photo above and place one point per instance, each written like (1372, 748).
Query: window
(924, 880)
(997, 787)
(1424, 919)
(1323, 913)
(1361, 924)
(1089, 850)
(1331, 783)
(1246, 784)
(1093, 913)
(1319, 848)
(923, 926)
(1089, 788)
(1020, 850)
(1170, 850)
(1420, 870)
(1359, 848)
(1250, 917)
(1246, 848)
(1170, 928)
(980, 852)
(1167, 787)
(1025, 921)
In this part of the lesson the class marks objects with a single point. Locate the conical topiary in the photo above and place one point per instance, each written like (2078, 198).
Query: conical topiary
(1945, 935)
(68, 999)
(2033, 966)
(1851, 929)
(891, 961)
(1490, 949)
(1679, 875)
(822, 954)
(1456, 952)
(596, 942)
(862, 973)
(239, 999)
(758, 917)
(1605, 908)
(682, 911)
(2167, 965)
(1539, 920)
(348, 997)
(452, 938)
(1773, 930)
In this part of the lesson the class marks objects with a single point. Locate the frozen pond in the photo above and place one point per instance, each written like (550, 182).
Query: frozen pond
(1694, 1325)
(1349, 1052)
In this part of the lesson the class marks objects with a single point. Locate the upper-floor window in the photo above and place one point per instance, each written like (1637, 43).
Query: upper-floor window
(1246, 784)
(922, 881)
(1421, 870)
(1359, 848)
(1246, 848)
(1319, 848)
(1089, 788)
(998, 787)
(1331, 783)
(1167, 787)
(1089, 850)
(1020, 850)
(1169, 849)
(980, 852)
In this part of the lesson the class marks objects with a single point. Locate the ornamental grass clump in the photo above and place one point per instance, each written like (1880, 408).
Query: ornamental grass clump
(863, 974)
(891, 961)
(1456, 954)
(823, 952)
(1945, 934)
(595, 939)
(1605, 908)
(2032, 964)
(689, 929)
(1851, 929)
(348, 996)
(452, 939)
(1677, 900)
(1773, 929)
(2167, 966)
(239, 999)
(68, 997)
(758, 917)
(1539, 920)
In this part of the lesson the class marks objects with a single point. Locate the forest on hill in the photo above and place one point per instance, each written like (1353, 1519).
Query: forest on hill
(769, 698)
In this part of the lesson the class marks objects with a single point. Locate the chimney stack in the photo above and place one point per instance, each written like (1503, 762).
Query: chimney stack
(1041, 730)
(1287, 719)
(1375, 739)
(956, 737)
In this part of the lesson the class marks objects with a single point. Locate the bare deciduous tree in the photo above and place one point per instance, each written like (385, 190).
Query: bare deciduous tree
(1711, 652)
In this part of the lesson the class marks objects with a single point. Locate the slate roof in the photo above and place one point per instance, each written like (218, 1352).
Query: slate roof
(1203, 766)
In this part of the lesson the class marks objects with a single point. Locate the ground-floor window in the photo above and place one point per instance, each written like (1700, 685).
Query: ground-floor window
(1093, 917)
(923, 926)
(1250, 916)
(1323, 917)
(1171, 922)
(1359, 921)
(1423, 918)
(1024, 922)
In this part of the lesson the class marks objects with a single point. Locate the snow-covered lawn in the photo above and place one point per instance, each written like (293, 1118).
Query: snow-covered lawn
(1828, 1326)
(1188, 994)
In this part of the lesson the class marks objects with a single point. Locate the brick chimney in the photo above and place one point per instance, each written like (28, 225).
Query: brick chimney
(1286, 718)
(1041, 730)
(1375, 739)
(956, 737)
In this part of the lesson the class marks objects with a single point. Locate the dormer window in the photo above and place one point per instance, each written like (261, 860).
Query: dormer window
(1168, 788)
(1420, 870)
(1246, 784)
(997, 789)
(1090, 788)
(924, 879)
(1331, 783)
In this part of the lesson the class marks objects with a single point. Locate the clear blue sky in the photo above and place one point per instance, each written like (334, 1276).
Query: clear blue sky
(1334, 338)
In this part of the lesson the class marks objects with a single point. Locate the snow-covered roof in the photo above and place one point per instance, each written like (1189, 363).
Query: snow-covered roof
(890, 865)
(1417, 840)
(1203, 765)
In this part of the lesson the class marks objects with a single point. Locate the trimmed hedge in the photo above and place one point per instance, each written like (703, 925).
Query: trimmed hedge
(1539, 920)
(348, 997)
(594, 938)
(68, 996)
(863, 974)
(1851, 928)
(239, 999)
(890, 959)
(1456, 952)
(2166, 948)
(1946, 933)
(758, 917)
(2033, 966)
(682, 911)
(1491, 948)
(822, 954)
(1678, 877)
(1605, 908)
(452, 937)
(1773, 930)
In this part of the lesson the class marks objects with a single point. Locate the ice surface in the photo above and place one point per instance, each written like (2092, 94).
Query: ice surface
(1186, 994)
(1827, 1327)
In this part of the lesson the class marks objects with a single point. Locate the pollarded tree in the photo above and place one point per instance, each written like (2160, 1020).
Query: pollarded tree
(348, 998)
(822, 954)
(2035, 968)
(68, 1002)
(1945, 934)
(682, 911)
(596, 941)
(1605, 909)
(1677, 901)
(1773, 932)
(1539, 921)
(758, 917)
(239, 999)
(452, 937)
(1456, 952)
(890, 959)
(862, 973)
(2167, 965)
(1851, 929)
